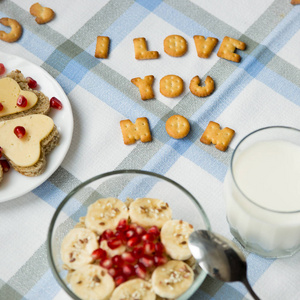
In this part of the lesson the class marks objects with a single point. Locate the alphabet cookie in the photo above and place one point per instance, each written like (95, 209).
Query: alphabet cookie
(102, 46)
(177, 127)
(175, 45)
(202, 91)
(145, 86)
(228, 47)
(14, 34)
(204, 46)
(43, 14)
(141, 50)
(171, 86)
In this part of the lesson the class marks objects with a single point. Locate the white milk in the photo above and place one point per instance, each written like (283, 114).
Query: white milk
(267, 173)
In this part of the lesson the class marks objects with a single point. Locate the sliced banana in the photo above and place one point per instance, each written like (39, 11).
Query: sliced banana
(112, 252)
(77, 247)
(134, 289)
(174, 235)
(105, 214)
(147, 212)
(172, 279)
(92, 282)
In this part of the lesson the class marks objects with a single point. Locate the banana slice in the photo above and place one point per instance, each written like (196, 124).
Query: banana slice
(105, 214)
(112, 252)
(77, 247)
(147, 212)
(174, 236)
(134, 289)
(92, 282)
(172, 279)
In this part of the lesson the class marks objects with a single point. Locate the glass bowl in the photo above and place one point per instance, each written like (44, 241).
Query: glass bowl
(121, 184)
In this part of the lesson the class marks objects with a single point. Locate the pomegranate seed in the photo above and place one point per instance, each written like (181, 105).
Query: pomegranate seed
(149, 247)
(2, 69)
(133, 241)
(130, 233)
(114, 272)
(140, 271)
(120, 279)
(1, 151)
(107, 234)
(128, 257)
(148, 237)
(55, 103)
(106, 263)
(117, 260)
(140, 230)
(31, 82)
(154, 230)
(120, 236)
(128, 270)
(122, 225)
(1, 106)
(22, 101)
(147, 261)
(133, 226)
(159, 248)
(19, 131)
(160, 260)
(138, 252)
(5, 165)
(114, 243)
(99, 254)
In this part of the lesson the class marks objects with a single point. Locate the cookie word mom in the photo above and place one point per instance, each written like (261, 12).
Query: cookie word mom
(175, 45)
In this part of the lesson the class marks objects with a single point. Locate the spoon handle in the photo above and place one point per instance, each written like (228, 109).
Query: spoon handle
(249, 288)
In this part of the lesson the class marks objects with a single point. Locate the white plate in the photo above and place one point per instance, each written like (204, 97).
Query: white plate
(14, 184)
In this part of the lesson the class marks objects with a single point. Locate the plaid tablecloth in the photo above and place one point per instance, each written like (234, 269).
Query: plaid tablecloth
(262, 90)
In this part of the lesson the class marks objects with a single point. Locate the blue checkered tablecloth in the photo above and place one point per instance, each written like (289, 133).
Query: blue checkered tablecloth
(262, 90)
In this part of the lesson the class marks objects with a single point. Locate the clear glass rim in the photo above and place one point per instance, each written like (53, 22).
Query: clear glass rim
(200, 277)
(232, 174)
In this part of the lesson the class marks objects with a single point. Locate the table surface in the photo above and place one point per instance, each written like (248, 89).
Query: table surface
(262, 90)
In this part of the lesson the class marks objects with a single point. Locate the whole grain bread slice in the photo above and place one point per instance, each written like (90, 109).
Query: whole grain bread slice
(41, 107)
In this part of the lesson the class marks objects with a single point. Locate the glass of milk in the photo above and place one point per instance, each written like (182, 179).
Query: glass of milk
(262, 192)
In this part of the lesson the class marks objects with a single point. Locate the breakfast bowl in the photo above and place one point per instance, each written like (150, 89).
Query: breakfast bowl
(124, 188)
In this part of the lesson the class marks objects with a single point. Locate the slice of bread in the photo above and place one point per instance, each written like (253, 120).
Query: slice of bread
(42, 105)
(27, 155)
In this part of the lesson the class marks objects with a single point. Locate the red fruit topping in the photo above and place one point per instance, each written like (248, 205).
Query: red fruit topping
(147, 261)
(140, 230)
(130, 233)
(107, 234)
(128, 270)
(55, 103)
(148, 237)
(114, 272)
(114, 243)
(138, 252)
(106, 263)
(122, 225)
(133, 241)
(149, 247)
(99, 254)
(31, 82)
(120, 279)
(21, 101)
(128, 257)
(1, 106)
(154, 230)
(5, 165)
(2, 69)
(159, 248)
(121, 236)
(117, 260)
(140, 271)
(19, 131)
(160, 260)
(1, 151)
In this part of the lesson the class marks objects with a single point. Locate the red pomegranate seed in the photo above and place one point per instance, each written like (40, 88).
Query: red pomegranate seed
(138, 252)
(21, 101)
(140, 230)
(31, 82)
(154, 230)
(128, 257)
(120, 279)
(1, 106)
(130, 233)
(99, 254)
(55, 103)
(148, 237)
(106, 263)
(120, 236)
(114, 243)
(122, 225)
(128, 270)
(117, 260)
(2, 69)
(5, 165)
(19, 131)
(114, 272)
(140, 271)
(1, 151)
(147, 261)
(160, 260)
(107, 234)
(159, 248)
(149, 247)
(133, 241)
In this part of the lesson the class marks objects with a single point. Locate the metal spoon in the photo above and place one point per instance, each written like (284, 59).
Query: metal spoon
(219, 257)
